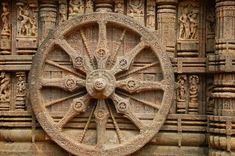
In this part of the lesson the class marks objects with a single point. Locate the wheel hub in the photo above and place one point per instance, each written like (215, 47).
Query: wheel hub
(100, 84)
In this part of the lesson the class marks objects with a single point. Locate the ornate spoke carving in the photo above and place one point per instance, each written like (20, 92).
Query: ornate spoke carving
(134, 86)
(102, 51)
(113, 57)
(123, 107)
(101, 118)
(69, 83)
(76, 57)
(123, 63)
(79, 105)
(88, 50)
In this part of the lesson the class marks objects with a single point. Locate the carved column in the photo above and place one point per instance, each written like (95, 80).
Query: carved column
(221, 124)
(166, 23)
(47, 13)
(104, 5)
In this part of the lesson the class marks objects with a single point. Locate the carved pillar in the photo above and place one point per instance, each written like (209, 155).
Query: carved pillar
(166, 23)
(104, 5)
(5, 40)
(221, 130)
(47, 13)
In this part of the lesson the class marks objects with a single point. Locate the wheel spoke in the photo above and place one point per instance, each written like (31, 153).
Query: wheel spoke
(122, 106)
(63, 99)
(124, 62)
(101, 118)
(102, 52)
(153, 105)
(69, 83)
(119, 135)
(53, 63)
(75, 55)
(113, 57)
(79, 105)
(135, 86)
(88, 50)
(137, 70)
(86, 126)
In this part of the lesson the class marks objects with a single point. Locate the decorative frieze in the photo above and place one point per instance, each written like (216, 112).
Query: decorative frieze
(151, 18)
(5, 46)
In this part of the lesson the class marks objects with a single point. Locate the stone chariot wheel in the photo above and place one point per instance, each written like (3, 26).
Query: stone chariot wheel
(100, 84)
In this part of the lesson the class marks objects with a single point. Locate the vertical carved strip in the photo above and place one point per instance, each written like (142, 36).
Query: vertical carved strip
(5, 46)
(135, 9)
(181, 94)
(47, 17)
(166, 24)
(27, 27)
(5, 88)
(150, 21)
(62, 11)
(119, 6)
(20, 90)
(193, 107)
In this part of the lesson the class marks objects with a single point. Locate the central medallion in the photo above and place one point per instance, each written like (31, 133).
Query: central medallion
(100, 84)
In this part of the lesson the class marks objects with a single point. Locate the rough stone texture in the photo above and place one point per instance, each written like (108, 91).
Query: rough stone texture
(137, 77)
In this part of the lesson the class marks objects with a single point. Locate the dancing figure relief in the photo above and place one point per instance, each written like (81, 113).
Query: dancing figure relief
(188, 24)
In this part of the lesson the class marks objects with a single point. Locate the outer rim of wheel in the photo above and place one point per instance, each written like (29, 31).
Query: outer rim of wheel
(47, 122)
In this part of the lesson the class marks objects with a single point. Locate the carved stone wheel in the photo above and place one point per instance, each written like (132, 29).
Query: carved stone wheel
(101, 85)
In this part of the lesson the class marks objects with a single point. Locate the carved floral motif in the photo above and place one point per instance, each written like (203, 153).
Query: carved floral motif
(119, 6)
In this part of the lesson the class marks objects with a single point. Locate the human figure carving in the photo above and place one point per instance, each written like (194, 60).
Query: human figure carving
(62, 13)
(4, 87)
(184, 25)
(193, 89)
(193, 25)
(188, 26)
(75, 7)
(28, 24)
(5, 19)
(181, 89)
